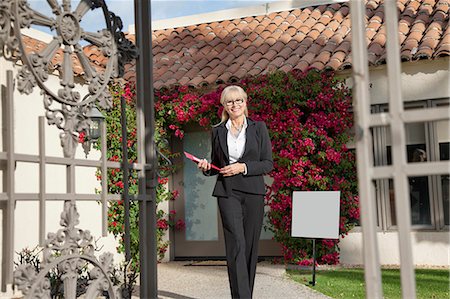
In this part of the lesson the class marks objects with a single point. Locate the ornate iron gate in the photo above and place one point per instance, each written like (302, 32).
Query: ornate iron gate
(71, 248)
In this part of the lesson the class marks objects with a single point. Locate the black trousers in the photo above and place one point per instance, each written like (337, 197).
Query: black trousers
(242, 217)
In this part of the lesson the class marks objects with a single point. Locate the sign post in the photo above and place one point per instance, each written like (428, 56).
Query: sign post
(315, 214)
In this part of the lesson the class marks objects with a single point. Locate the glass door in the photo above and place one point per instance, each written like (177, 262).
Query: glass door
(203, 236)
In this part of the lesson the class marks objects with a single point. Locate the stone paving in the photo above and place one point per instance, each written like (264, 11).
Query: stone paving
(189, 280)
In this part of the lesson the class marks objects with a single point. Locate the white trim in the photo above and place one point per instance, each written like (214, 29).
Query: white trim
(234, 13)
(36, 34)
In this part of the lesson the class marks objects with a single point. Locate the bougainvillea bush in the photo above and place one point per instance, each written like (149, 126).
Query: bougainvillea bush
(116, 209)
(309, 121)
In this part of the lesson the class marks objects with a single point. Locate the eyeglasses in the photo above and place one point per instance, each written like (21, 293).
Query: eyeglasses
(237, 102)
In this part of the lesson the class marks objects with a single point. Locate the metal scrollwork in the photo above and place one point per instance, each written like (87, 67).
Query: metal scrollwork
(126, 49)
(69, 250)
(65, 104)
(69, 37)
(8, 42)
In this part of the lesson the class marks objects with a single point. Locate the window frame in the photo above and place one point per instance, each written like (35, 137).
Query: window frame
(382, 197)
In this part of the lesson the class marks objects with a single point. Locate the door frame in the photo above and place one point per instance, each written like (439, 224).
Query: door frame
(183, 249)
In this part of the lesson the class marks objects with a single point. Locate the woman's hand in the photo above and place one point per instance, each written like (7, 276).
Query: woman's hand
(203, 165)
(233, 169)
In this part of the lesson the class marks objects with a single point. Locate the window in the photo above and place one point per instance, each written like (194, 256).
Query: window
(429, 195)
(442, 129)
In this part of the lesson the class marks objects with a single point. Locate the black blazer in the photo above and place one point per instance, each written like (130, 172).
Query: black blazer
(257, 156)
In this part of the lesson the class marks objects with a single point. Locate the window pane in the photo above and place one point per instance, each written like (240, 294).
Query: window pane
(416, 151)
(200, 207)
(445, 181)
(419, 198)
(392, 202)
(420, 201)
(443, 136)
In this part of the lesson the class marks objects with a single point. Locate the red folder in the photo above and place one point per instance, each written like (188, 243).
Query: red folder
(196, 160)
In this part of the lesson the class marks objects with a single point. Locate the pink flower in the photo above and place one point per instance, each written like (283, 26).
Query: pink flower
(81, 137)
(183, 89)
(162, 181)
(180, 225)
(162, 224)
(179, 133)
(175, 194)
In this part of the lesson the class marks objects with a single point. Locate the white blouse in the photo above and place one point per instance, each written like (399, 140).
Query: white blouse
(236, 144)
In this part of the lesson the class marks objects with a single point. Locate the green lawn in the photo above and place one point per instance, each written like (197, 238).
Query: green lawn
(349, 283)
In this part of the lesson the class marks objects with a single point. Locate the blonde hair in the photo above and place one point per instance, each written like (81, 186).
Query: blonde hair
(232, 92)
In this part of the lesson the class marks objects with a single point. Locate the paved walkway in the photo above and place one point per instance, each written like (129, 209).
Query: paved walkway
(209, 280)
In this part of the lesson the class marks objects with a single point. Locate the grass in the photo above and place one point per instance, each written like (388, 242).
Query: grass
(349, 283)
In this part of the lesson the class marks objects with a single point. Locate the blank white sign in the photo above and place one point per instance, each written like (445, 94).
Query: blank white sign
(315, 214)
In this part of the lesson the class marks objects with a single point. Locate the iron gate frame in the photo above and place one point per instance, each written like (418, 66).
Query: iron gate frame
(400, 168)
(146, 167)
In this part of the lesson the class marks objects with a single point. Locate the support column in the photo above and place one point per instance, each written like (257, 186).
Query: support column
(146, 150)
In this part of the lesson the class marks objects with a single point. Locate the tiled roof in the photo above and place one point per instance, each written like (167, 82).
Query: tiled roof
(313, 37)
(317, 37)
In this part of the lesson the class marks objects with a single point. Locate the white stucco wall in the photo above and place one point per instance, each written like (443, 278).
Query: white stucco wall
(428, 248)
(421, 80)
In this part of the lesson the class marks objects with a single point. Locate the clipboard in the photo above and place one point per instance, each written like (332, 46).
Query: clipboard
(196, 160)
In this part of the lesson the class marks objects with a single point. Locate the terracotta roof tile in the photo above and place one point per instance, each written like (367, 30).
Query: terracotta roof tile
(184, 80)
(278, 62)
(297, 24)
(283, 26)
(242, 59)
(317, 65)
(302, 65)
(278, 19)
(285, 38)
(253, 24)
(314, 34)
(214, 63)
(285, 53)
(246, 43)
(296, 12)
(277, 33)
(255, 57)
(286, 68)
(308, 57)
(304, 15)
(258, 42)
(233, 68)
(224, 78)
(212, 77)
(291, 18)
(374, 51)
(271, 41)
(270, 54)
(293, 60)
(264, 48)
(254, 72)
(293, 44)
(301, 50)
(299, 37)
(312, 37)
(241, 73)
(203, 72)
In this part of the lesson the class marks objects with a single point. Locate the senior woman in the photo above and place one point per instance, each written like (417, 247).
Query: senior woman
(241, 148)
